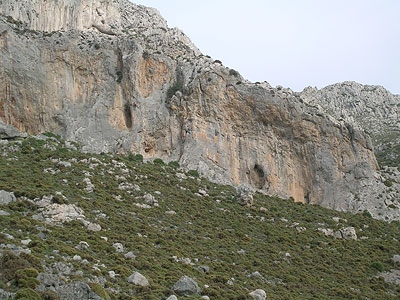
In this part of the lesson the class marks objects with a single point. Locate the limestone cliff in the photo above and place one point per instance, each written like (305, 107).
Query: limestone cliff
(112, 76)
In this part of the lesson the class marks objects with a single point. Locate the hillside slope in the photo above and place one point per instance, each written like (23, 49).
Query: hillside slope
(102, 226)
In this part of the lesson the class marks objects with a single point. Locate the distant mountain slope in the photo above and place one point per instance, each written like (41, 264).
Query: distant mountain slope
(373, 108)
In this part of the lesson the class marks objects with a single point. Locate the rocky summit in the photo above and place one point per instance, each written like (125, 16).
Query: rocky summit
(112, 76)
(370, 108)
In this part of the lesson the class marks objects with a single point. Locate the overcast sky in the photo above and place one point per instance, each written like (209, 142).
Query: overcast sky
(295, 43)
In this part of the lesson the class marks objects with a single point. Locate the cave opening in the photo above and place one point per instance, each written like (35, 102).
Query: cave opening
(128, 115)
(258, 176)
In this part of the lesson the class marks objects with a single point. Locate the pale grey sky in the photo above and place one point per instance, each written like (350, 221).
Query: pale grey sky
(295, 43)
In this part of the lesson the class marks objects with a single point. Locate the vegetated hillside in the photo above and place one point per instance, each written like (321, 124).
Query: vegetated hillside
(81, 225)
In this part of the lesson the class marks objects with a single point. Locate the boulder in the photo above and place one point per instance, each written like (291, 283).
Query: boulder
(149, 198)
(245, 196)
(138, 279)
(8, 132)
(6, 197)
(92, 226)
(349, 233)
(204, 268)
(119, 248)
(186, 286)
(258, 294)
(130, 255)
(82, 246)
(396, 258)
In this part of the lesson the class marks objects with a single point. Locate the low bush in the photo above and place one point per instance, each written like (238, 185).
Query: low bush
(193, 173)
(233, 72)
(178, 86)
(27, 294)
(158, 161)
(26, 278)
(135, 157)
(174, 164)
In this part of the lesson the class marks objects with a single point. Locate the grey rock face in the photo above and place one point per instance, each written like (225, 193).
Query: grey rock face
(6, 295)
(392, 277)
(77, 290)
(53, 279)
(8, 132)
(122, 81)
(376, 111)
(6, 197)
(186, 286)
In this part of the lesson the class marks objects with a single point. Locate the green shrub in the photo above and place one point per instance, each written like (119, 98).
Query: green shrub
(27, 294)
(377, 266)
(158, 161)
(99, 290)
(26, 278)
(135, 157)
(174, 164)
(178, 86)
(233, 72)
(49, 295)
(10, 263)
(388, 183)
(193, 173)
(119, 76)
(28, 283)
(53, 135)
(367, 214)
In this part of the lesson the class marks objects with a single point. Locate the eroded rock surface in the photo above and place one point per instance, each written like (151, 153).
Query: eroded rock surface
(114, 77)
